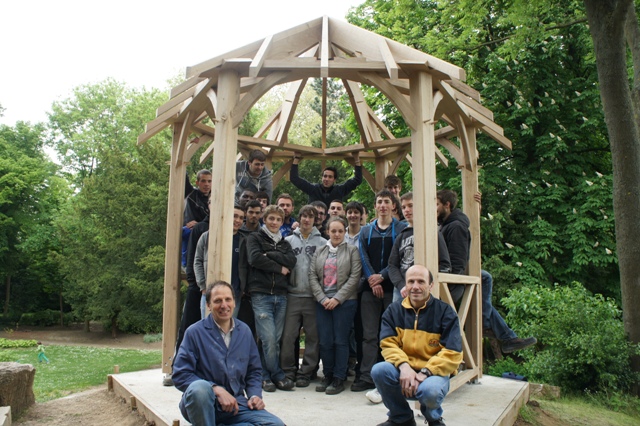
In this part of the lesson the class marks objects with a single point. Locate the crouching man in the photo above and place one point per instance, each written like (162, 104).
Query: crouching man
(422, 348)
(218, 368)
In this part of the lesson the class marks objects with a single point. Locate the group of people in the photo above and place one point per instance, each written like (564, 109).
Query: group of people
(334, 276)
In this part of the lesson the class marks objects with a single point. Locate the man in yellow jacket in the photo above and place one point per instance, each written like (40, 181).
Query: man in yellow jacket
(422, 348)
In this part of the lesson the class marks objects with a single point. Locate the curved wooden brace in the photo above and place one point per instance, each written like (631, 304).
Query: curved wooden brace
(394, 95)
(256, 92)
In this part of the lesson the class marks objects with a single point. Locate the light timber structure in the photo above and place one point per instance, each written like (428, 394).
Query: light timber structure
(441, 111)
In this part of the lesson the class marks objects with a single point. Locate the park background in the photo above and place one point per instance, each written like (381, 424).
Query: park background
(83, 207)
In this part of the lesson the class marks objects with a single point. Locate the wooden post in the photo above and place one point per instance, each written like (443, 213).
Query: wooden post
(171, 301)
(472, 210)
(382, 167)
(223, 187)
(425, 226)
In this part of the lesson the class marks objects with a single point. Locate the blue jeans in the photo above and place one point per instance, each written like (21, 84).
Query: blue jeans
(334, 328)
(490, 317)
(200, 407)
(430, 393)
(270, 311)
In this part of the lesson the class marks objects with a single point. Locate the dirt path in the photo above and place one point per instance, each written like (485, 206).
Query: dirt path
(97, 406)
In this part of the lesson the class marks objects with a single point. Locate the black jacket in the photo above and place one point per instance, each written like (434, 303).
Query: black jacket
(316, 191)
(455, 230)
(266, 259)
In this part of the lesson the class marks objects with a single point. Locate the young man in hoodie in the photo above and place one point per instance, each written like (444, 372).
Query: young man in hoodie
(376, 241)
(401, 257)
(301, 305)
(253, 175)
(454, 226)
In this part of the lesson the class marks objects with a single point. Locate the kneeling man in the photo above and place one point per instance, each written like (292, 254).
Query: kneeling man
(422, 348)
(218, 368)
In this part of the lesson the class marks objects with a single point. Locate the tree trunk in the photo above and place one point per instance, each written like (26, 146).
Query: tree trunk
(61, 308)
(114, 327)
(607, 21)
(7, 293)
(87, 325)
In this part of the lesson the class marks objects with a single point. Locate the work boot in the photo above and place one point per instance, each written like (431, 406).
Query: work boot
(336, 386)
(326, 382)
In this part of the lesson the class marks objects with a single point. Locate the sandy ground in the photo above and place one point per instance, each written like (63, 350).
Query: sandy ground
(97, 406)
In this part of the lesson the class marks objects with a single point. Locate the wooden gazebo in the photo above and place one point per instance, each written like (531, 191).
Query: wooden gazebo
(428, 93)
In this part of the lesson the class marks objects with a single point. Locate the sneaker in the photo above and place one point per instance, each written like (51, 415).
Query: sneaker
(439, 422)
(167, 380)
(285, 385)
(410, 422)
(361, 385)
(517, 343)
(336, 386)
(302, 382)
(374, 396)
(268, 386)
(324, 384)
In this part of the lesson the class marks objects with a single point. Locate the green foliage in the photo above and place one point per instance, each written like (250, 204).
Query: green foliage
(7, 343)
(76, 368)
(113, 229)
(547, 205)
(581, 339)
(45, 318)
(505, 365)
(152, 338)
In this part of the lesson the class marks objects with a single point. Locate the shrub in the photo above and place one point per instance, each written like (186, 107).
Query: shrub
(6, 343)
(44, 318)
(152, 338)
(581, 340)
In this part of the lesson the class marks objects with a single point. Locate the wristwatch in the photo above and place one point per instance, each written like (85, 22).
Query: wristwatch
(426, 372)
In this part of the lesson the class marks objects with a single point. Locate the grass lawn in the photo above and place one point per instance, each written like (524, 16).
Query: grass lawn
(76, 368)
(577, 411)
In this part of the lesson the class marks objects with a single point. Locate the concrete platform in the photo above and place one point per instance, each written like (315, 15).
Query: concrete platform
(492, 401)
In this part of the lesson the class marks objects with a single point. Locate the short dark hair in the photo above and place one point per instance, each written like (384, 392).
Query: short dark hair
(262, 194)
(340, 219)
(406, 196)
(254, 203)
(215, 284)
(286, 197)
(332, 169)
(257, 154)
(385, 193)
(239, 207)
(392, 180)
(319, 203)
(308, 210)
(202, 172)
(448, 196)
(354, 205)
(337, 200)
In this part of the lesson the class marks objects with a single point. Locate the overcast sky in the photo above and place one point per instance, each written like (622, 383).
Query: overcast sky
(50, 47)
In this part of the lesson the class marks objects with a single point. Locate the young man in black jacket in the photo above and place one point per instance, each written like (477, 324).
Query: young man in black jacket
(328, 190)
(455, 230)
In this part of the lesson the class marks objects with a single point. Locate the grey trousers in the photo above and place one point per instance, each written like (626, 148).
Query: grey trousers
(371, 310)
(301, 312)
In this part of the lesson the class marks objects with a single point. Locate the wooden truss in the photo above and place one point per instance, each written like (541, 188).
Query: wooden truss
(430, 94)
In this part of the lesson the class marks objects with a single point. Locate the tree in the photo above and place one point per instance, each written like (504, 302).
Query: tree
(113, 228)
(614, 27)
(30, 196)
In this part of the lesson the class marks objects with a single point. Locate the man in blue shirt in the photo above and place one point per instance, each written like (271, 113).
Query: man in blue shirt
(218, 368)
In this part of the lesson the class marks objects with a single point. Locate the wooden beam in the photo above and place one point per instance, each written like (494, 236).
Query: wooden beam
(258, 60)
(344, 149)
(467, 155)
(360, 111)
(171, 292)
(390, 143)
(289, 106)
(175, 101)
(464, 88)
(424, 174)
(250, 98)
(282, 171)
(223, 188)
(324, 52)
(390, 62)
(195, 145)
(394, 95)
(502, 140)
(452, 148)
